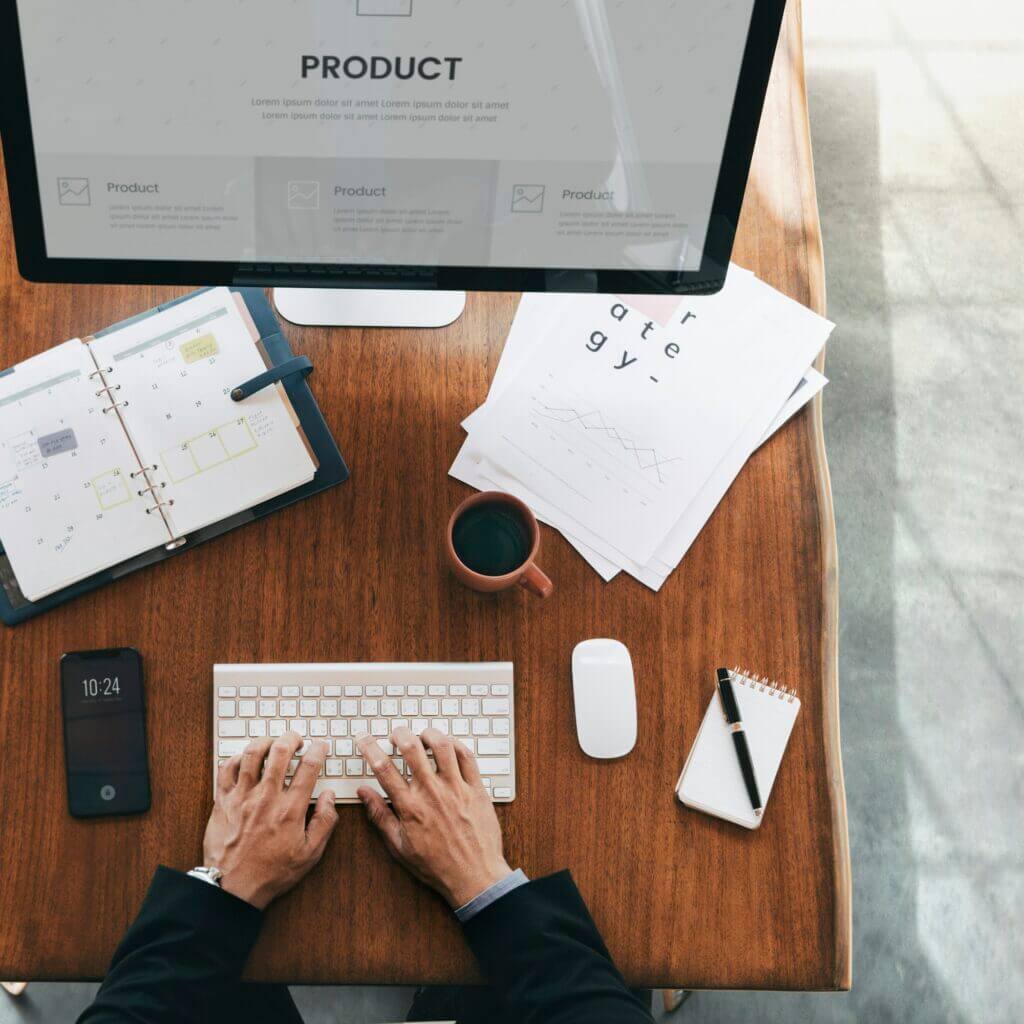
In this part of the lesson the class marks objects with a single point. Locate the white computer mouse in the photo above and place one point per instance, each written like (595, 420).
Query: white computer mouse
(605, 698)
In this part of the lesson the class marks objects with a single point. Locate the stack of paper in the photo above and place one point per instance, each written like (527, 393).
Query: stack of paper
(623, 420)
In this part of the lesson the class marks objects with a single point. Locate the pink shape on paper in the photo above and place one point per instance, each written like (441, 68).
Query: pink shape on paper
(659, 308)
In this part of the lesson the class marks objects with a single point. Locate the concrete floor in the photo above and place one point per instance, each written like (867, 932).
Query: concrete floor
(916, 108)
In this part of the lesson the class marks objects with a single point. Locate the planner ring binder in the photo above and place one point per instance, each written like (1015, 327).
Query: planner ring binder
(144, 470)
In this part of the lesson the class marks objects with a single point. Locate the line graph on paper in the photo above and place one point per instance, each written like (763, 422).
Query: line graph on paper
(594, 420)
(599, 446)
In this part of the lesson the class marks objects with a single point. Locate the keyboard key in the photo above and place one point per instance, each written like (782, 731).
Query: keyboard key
(458, 690)
(494, 765)
(334, 766)
(276, 727)
(481, 727)
(353, 691)
(329, 708)
(418, 725)
(298, 725)
(437, 691)
(368, 708)
(318, 727)
(268, 708)
(396, 691)
(478, 690)
(234, 727)
(399, 723)
(379, 727)
(345, 789)
(387, 746)
(247, 691)
(257, 727)
(429, 706)
(500, 727)
(344, 748)
(492, 746)
(247, 708)
(471, 707)
(375, 691)
(226, 691)
(502, 793)
(501, 689)
(228, 748)
(268, 691)
(307, 708)
(469, 743)
(389, 708)
(339, 727)
(332, 691)
(460, 726)
(354, 766)
(496, 707)
(450, 706)
(348, 708)
(288, 708)
(440, 724)
(415, 690)
(410, 707)
(226, 709)
(290, 691)
(311, 691)
(358, 725)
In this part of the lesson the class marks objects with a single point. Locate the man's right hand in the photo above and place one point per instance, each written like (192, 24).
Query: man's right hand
(441, 824)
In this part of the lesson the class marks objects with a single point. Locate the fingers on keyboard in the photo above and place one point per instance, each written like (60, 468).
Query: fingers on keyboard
(477, 715)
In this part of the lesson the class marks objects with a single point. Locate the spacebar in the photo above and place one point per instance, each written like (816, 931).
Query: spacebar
(345, 789)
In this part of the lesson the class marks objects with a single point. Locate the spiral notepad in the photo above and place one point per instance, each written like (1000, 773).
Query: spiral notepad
(711, 780)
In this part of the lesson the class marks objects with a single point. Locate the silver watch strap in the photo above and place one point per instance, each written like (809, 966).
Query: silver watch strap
(211, 876)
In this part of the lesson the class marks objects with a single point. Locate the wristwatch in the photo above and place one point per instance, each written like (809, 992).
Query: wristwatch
(211, 876)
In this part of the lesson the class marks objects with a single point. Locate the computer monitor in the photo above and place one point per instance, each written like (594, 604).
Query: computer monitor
(432, 145)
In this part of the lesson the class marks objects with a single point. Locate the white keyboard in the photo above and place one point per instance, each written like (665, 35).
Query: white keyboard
(472, 702)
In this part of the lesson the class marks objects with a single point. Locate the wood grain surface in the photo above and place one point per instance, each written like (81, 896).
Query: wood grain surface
(357, 573)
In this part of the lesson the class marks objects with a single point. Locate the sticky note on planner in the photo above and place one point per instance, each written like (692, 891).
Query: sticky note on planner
(203, 347)
(58, 442)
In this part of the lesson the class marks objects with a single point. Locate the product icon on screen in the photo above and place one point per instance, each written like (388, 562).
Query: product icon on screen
(527, 198)
(303, 195)
(73, 192)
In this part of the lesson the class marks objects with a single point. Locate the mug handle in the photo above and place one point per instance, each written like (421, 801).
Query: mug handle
(536, 582)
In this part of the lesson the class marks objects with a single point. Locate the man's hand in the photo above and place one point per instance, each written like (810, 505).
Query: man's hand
(257, 834)
(441, 824)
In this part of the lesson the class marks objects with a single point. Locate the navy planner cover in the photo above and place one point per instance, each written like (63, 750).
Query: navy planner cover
(331, 470)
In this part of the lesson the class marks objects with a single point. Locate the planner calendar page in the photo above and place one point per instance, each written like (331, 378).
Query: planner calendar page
(213, 457)
(69, 506)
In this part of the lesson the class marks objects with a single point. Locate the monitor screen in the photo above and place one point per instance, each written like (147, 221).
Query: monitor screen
(526, 133)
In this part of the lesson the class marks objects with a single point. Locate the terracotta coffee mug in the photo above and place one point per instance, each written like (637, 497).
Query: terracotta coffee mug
(526, 574)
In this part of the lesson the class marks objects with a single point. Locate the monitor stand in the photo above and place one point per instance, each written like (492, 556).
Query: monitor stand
(368, 307)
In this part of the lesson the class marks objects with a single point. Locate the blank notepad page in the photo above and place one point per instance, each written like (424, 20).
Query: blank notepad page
(711, 780)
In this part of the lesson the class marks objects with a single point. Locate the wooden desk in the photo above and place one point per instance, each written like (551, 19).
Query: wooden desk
(357, 574)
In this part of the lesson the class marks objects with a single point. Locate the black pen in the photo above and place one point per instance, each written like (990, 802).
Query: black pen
(732, 716)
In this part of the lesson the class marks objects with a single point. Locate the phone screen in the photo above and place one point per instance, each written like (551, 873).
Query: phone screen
(104, 732)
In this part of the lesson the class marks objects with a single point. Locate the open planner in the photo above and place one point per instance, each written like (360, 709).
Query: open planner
(711, 780)
(130, 442)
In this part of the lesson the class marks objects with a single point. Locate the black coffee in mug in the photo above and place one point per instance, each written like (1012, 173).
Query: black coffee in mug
(491, 539)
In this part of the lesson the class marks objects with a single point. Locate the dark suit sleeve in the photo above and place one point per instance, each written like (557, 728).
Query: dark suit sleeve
(179, 959)
(539, 948)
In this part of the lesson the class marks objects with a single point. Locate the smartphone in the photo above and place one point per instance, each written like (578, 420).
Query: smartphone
(105, 754)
